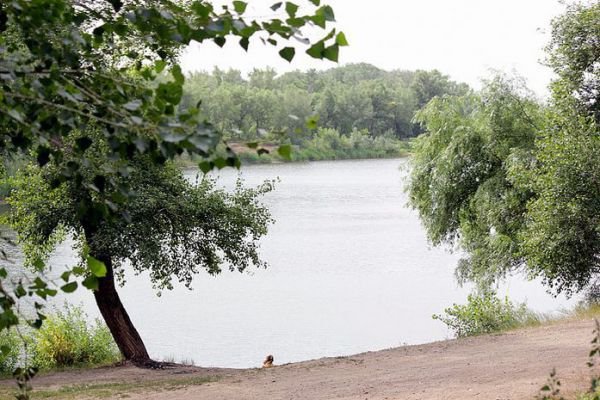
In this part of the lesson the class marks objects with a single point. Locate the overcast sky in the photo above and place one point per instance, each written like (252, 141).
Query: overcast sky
(461, 38)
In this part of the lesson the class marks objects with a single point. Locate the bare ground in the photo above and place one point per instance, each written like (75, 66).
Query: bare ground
(512, 365)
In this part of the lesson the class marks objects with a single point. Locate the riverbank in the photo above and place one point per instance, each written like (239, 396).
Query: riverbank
(512, 365)
(330, 147)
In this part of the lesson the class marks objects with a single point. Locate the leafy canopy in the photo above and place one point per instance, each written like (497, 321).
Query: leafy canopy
(77, 75)
(174, 227)
(515, 184)
(461, 178)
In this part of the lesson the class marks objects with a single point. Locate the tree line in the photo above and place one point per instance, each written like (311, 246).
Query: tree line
(355, 97)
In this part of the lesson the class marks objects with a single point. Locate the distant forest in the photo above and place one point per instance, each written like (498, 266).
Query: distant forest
(358, 98)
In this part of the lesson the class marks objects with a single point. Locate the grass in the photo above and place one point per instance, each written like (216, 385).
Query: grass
(184, 361)
(111, 389)
(584, 311)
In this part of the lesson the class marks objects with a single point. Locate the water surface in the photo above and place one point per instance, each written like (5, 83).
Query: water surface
(350, 271)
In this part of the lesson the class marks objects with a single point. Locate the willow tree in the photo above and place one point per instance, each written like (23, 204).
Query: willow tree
(561, 241)
(91, 90)
(513, 183)
(461, 181)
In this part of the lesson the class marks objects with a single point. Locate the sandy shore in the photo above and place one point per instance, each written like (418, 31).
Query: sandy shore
(512, 365)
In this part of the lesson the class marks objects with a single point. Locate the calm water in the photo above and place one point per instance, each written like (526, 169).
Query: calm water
(350, 271)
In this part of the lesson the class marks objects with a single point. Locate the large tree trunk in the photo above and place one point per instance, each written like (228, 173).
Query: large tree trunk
(126, 336)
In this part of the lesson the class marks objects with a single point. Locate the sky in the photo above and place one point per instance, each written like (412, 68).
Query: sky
(465, 39)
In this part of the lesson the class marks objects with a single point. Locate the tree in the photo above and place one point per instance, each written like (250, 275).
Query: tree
(259, 108)
(85, 79)
(429, 84)
(460, 181)
(516, 184)
(561, 239)
(574, 53)
(294, 110)
(173, 230)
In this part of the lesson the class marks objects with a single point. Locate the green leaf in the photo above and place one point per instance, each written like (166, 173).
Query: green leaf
(332, 53)
(319, 20)
(239, 6)
(285, 151)
(244, 43)
(287, 53)
(117, 4)
(316, 2)
(97, 267)
(327, 12)
(38, 264)
(276, 6)
(177, 74)
(205, 166)
(91, 282)
(20, 291)
(291, 9)
(39, 283)
(99, 31)
(4, 350)
(220, 162)
(312, 122)
(220, 41)
(83, 143)
(340, 39)
(316, 50)
(159, 66)
(69, 287)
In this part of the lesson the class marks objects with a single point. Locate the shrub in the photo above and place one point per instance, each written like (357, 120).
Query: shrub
(9, 358)
(67, 339)
(486, 313)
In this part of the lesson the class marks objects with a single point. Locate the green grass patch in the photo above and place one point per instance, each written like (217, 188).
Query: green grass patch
(585, 311)
(111, 389)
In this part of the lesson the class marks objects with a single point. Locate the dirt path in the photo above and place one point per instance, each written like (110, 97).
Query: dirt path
(512, 365)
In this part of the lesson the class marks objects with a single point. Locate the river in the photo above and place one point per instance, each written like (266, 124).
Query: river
(350, 271)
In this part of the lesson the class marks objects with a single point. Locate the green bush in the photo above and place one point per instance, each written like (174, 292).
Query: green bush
(12, 344)
(330, 144)
(486, 313)
(67, 339)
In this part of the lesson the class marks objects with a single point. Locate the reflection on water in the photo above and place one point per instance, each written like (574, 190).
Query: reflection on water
(350, 271)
